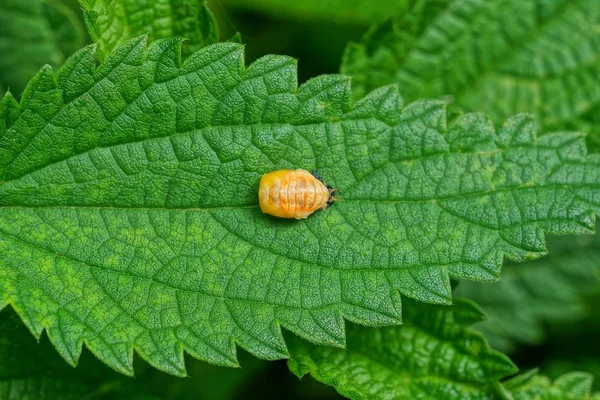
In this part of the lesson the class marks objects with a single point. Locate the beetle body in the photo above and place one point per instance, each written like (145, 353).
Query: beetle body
(291, 193)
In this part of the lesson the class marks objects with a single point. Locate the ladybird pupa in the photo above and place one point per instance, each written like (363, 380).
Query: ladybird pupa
(291, 193)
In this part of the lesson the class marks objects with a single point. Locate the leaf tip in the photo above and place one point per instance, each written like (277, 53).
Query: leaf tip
(297, 368)
(575, 383)
(236, 38)
(467, 312)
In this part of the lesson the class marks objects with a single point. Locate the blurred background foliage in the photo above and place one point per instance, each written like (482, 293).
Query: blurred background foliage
(544, 313)
(53, 31)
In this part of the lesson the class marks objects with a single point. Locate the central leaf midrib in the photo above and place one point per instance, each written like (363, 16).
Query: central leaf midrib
(435, 200)
(341, 189)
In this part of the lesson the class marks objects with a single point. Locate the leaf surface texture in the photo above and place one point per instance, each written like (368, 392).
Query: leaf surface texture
(129, 217)
(111, 23)
(500, 57)
(434, 355)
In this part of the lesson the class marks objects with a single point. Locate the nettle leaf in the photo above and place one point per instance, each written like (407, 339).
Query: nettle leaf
(33, 371)
(552, 288)
(500, 56)
(341, 11)
(532, 386)
(111, 23)
(378, 58)
(561, 361)
(434, 355)
(129, 216)
(34, 33)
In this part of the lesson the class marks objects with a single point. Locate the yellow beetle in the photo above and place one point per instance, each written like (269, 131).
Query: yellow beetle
(289, 193)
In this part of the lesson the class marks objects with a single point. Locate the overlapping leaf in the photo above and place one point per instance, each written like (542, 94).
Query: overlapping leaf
(552, 288)
(34, 33)
(434, 355)
(129, 218)
(563, 361)
(532, 386)
(111, 23)
(500, 57)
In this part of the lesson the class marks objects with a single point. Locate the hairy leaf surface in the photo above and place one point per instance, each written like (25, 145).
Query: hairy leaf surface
(111, 23)
(129, 217)
(551, 289)
(434, 355)
(34, 33)
(499, 56)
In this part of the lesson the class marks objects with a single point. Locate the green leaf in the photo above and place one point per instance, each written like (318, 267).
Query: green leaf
(129, 217)
(33, 371)
(34, 33)
(111, 23)
(532, 386)
(586, 361)
(434, 355)
(378, 58)
(497, 56)
(362, 12)
(552, 289)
